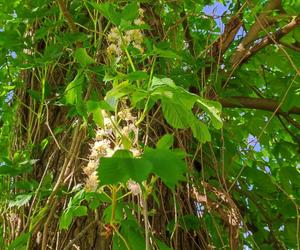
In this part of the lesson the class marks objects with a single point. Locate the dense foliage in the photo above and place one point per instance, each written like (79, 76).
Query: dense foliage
(149, 124)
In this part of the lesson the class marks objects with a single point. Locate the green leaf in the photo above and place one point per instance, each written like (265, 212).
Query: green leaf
(162, 245)
(189, 222)
(133, 233)
(74, 209)
(69, 214)
(118, 243)
(167, 164)
(95, 199)
(73, 92)
(296, 34)
(12, 171)
(105, 106)
(117, 92)
(78, 198)
(166, 87)
(82, 57)
(165, 142)
(157, 82)
(79, 211)
(39, 216)
(20, 200)
(20, 242)
(108, 11)
(213, 109)
(52, 52)
(167, 53)
(94, 108)
(34, 94)
(137, 75)
(176, 114)
(130, 12)
(66, 219)
(72, 37)
(119, 169)
(119, 216)
(200, 131)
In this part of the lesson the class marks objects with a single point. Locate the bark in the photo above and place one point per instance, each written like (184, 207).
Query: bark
(256, 103)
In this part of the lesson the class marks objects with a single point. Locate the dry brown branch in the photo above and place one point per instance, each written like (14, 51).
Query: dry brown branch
(81, 234)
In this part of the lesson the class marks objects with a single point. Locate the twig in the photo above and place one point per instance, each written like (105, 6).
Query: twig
(78, 236)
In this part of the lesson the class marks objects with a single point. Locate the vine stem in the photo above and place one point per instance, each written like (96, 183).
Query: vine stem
(145, 212)
(114, 203)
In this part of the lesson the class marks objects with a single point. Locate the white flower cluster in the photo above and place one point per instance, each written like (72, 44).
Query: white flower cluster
(106, 142)
(117, 39)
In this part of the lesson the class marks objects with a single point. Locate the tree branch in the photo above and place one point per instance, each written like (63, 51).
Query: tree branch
(67, 15)
(268, 39)
(262, 21)
(224, 41)
(256, 103)
(187, 34)
(218, 48)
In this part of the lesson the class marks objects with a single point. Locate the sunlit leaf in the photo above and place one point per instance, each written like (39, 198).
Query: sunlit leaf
(213, 109)
(82, 57)
(165, 142)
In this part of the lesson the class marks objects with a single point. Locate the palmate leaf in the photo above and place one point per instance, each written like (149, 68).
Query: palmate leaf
(122, 167)
(200, 131)
(176, 114)
(117, 92)
(213, 109)
(130, 12)
(177, 104)
(162, 82)
(167, 164)
(115, 170)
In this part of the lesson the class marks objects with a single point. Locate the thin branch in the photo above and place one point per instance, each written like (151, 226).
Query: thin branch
(290, 46)
(287, 129)
(291, 121)
(187, 33)
(78, 236)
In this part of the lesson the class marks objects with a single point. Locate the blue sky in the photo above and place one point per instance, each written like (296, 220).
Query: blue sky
(218, 9)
